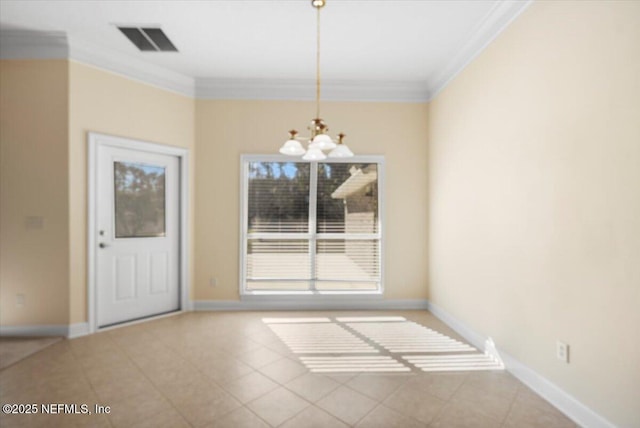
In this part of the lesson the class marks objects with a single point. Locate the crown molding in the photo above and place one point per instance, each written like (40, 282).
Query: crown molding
(305, 90)
(131, 67)
(24, 44)
(492, 25)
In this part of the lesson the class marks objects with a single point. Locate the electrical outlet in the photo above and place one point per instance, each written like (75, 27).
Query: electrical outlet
(562, 351)
(213, 282)
(20, 301)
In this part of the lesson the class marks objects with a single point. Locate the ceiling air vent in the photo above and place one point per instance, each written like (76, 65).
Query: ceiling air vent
(149, 39)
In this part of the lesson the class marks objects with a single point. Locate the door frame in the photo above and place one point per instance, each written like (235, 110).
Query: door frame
(96, 140)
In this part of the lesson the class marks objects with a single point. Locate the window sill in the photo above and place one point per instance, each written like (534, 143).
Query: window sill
(309, 295)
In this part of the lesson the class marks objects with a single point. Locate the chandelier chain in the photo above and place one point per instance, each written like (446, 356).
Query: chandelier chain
(319, 140)
(318, 65)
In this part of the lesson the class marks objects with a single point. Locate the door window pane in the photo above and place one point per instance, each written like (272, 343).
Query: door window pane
(139, 200)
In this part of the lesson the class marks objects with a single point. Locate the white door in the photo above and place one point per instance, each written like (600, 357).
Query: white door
(137, 227)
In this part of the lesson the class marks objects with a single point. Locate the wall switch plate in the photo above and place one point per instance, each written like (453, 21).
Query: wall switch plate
(562, 351)
(20, 300)
(213, 282)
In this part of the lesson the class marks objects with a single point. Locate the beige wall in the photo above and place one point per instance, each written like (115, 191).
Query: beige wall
(68, 100)
(48, 107)
(34, 182)
(535, 198)
(227, 129)
(110, 104)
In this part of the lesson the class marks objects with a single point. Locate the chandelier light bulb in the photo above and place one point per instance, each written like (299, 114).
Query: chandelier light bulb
(314, 155)
(322, 142)
(292, 148)
(341, 150)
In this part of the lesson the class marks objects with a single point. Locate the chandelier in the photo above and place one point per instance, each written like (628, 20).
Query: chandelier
(319, 141)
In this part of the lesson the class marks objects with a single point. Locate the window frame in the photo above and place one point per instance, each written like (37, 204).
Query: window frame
(311, 234)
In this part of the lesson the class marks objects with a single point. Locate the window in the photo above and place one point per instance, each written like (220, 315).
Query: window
(311, 228)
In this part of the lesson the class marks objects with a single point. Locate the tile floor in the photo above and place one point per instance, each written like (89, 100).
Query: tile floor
(13, 349)
(230, 370)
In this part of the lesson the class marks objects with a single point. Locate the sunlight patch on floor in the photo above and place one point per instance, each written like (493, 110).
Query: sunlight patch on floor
(294, 320)
(341, 346)
(354, 364)
(402, 337)
(320, 338)
(369, 319)
(442, 363)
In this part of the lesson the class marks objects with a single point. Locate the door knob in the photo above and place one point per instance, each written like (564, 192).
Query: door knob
(102, 245)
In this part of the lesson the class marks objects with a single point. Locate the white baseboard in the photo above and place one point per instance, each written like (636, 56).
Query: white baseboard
(290, 304)
(69, 331)
(34, 330)
(565, 402)
(78, 330)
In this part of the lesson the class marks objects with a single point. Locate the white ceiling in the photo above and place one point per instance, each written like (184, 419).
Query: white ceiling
(395, 42)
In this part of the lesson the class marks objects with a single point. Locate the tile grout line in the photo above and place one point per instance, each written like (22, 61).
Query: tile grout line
(244, 406)
(448, 401)
(221, 386)
(367, 413)
(155, 387)
(382, 351)
(84, 372)
(513, 401)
